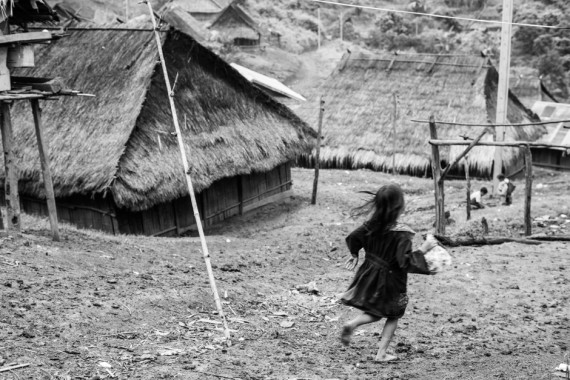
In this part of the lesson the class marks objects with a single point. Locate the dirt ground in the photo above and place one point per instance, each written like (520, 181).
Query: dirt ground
(99, 307)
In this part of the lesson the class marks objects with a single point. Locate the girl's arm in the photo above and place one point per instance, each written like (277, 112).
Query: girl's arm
(412, 261)
(355, 242)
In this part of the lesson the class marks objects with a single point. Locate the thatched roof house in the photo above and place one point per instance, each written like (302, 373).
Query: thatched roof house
(236, 24)
(115, 156)
(203, 10)
(359, 107)
(558, 134)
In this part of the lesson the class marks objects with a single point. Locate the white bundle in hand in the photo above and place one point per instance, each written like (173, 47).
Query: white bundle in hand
(437, 258)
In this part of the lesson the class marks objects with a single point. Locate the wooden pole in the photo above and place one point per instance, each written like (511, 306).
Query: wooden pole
(46, 172)
(319, 27)
(528, 192)
(205, 252)
(503, 89)
(463, 154)
(127, 13)
(468, 179)
(438, 185)
(517, 144)
(341, 28)
(394, 121)
(318, 151)
(11, 182)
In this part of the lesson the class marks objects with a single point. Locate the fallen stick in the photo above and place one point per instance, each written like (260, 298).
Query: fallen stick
(12, 367)
(482, 241)
(550, 237)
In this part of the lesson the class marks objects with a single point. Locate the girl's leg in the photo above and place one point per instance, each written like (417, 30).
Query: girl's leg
(350, 326)
(387, 335)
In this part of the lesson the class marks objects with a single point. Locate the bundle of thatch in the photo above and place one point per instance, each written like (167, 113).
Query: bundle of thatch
(357, 125)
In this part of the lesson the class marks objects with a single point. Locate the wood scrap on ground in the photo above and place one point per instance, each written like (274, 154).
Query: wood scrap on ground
(445, 240)
(550, 237)
(13, 367)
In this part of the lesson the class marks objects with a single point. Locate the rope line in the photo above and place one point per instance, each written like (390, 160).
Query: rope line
(438, 16)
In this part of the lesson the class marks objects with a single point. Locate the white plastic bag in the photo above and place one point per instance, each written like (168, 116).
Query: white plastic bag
(437, 258)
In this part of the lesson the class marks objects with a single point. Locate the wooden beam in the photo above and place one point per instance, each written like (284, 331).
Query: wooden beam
(318, 151)
(503, 88)
(394, 122)
(528, 192)
(468, 190)
(240, 194)
(517, 144)
(25, 38)
(493, 125)
(46, 171)
(438, 185)
(464, 153)
(11, 182)
(550, 237)
(447, 241)
(53, 85)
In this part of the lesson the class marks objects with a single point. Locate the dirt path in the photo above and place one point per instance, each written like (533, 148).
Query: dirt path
(93, 306)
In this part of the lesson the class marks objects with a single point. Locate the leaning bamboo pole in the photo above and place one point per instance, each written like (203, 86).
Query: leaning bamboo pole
(205, 252)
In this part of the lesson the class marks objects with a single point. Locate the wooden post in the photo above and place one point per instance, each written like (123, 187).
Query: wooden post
(394, 121)
(318, 151)
(1, 220)
(341, 28)
(127, 10)
(319, 27)
(468, 179)
(186, 167)
(463, 154)
(503, 89)
(528, 191)
(11, 182)
(46, 171)
(240, 194)
(438, 185)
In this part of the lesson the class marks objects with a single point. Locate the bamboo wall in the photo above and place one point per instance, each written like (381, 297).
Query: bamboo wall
(225, 198)
(550, 159)
(97, 213)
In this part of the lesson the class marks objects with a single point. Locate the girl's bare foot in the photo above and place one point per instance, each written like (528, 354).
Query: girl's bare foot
(385, 358)
(346, 334)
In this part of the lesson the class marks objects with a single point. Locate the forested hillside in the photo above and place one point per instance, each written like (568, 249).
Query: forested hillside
(536, 51)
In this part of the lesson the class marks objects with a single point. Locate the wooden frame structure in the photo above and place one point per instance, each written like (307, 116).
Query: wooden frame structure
(32, 89)
(440, 173)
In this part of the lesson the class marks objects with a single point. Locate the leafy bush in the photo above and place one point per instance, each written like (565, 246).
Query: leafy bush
(308, 22)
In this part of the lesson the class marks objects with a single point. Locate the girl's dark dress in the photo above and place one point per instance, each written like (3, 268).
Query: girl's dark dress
(379, 287)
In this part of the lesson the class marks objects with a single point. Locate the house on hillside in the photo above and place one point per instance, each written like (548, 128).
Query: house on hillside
(115, 161)
(81, 11)
(204, 10)
(359, 109)
(558, 134)
(236, 24)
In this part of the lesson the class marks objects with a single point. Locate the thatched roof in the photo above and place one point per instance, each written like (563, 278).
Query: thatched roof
(183, 21)
(202, 6)
(359, 107)
(27, 11)
(121, 143)
(235, 21)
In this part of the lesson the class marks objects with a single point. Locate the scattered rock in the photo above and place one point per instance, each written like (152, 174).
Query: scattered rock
(287, 324)
(310, 288)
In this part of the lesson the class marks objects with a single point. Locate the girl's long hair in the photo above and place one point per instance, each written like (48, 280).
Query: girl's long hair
(385, 206)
